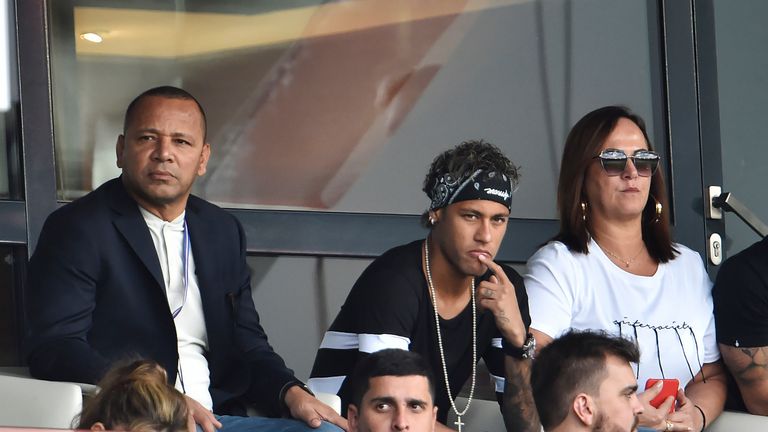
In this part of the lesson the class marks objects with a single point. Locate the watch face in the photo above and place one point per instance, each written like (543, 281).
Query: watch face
(529, 347)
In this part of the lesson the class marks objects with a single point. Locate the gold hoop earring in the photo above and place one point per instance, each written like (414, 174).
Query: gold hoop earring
(659, 210)
(583, 211)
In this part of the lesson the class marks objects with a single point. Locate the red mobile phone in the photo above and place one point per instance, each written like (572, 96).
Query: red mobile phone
(669, 388)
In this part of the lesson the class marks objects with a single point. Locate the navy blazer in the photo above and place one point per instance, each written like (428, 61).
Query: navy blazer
(96, 294)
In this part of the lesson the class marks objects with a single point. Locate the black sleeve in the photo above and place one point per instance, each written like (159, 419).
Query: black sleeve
(269, 374)
(740, 295)
(380, 312)
(60, 299)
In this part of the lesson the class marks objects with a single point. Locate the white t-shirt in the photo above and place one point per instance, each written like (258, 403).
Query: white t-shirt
(669, 313)
(192, 337)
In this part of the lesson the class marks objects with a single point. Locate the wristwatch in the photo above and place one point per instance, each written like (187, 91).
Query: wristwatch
(524, 352)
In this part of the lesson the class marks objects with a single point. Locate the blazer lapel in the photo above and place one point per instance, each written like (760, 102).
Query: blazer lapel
(198, 239)
(131, 225)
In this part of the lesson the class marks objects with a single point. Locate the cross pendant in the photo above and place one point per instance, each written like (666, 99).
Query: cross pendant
(459, 423)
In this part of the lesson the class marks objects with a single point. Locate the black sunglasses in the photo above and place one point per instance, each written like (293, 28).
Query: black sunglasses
(614, 161)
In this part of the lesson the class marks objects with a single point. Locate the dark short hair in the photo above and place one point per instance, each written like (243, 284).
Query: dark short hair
(387, 362)
(571, 364)
(463, 160)
(168, 92)
(583, 143)
(136, 396)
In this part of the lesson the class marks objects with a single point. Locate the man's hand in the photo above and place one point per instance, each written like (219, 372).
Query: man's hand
(307, 408)
(199, 415)
(655, 418)
(497, 294)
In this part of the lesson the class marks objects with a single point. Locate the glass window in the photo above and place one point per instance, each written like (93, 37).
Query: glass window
(342, 105)
(6, 97)
(742, 92)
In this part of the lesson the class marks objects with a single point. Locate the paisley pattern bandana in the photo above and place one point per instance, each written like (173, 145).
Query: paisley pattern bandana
(482, 184)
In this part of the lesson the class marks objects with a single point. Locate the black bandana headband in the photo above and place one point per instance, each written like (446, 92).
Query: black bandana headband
(484, 185)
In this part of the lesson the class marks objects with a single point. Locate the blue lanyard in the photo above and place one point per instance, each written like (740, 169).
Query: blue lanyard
(185, 251)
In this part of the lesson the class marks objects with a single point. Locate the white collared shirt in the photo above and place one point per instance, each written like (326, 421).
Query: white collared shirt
(192, 337)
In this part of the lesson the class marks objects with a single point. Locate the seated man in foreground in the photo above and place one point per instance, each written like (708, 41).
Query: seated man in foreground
(392, 390)
(142, 267)
(583, 381)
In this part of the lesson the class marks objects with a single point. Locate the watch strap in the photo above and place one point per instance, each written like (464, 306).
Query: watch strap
(522, 352)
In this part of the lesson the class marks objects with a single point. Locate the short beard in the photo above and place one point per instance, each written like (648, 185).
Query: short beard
(601, 425)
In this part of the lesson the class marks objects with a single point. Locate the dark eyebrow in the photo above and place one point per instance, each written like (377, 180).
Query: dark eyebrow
(476, 212)
(383, 399)
(630, 389)
(157, 132)
(419, 402)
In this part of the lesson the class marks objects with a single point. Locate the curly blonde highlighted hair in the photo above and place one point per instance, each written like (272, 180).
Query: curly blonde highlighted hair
(136, 397)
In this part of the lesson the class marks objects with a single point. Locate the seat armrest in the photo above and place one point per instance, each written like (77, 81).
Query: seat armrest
(29, 402)
(730, 421)
(330, 399)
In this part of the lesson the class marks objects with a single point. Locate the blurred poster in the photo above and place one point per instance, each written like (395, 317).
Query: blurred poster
(332, 99)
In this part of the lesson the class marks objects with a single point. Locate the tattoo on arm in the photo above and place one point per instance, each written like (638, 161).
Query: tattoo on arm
(518, 408)
(755, 369)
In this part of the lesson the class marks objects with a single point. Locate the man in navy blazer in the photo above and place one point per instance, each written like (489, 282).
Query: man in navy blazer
(140, 267)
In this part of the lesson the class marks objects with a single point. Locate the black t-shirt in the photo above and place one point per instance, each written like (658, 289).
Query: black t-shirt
(740, 295)
(390, 305)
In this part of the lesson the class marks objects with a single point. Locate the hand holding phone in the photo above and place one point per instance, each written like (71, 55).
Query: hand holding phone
(669, 388)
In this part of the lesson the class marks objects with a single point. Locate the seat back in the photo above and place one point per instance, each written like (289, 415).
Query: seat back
(736, 422)
(28, 402)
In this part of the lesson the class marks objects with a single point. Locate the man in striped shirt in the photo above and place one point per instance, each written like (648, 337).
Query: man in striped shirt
(444, 297)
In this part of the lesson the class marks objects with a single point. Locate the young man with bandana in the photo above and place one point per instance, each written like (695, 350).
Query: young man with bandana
(482, 307)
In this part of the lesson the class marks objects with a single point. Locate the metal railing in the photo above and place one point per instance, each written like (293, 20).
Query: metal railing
(726, 201)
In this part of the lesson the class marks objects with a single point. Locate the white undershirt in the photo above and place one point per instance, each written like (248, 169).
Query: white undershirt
(192, 338)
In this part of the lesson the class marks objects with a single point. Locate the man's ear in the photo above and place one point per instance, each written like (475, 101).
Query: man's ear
(202, 166)
(584, 408)
(98, 426)
(434, 417)
(434, 216)
(119, 150)
(352, 418)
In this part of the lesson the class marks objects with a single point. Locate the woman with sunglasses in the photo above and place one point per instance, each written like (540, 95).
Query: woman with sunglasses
(613, 266)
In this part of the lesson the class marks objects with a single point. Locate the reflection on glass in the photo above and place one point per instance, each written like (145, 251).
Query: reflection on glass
(4, 171)
(342, 105)
(742, 92)
(5, 99)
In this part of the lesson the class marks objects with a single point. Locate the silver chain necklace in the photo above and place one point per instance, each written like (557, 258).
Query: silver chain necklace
(440, 340)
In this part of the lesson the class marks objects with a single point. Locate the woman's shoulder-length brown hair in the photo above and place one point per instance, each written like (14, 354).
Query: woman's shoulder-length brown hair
(583, 143)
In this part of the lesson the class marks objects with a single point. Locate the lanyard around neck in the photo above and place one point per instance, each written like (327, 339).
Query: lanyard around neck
(185, 252)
